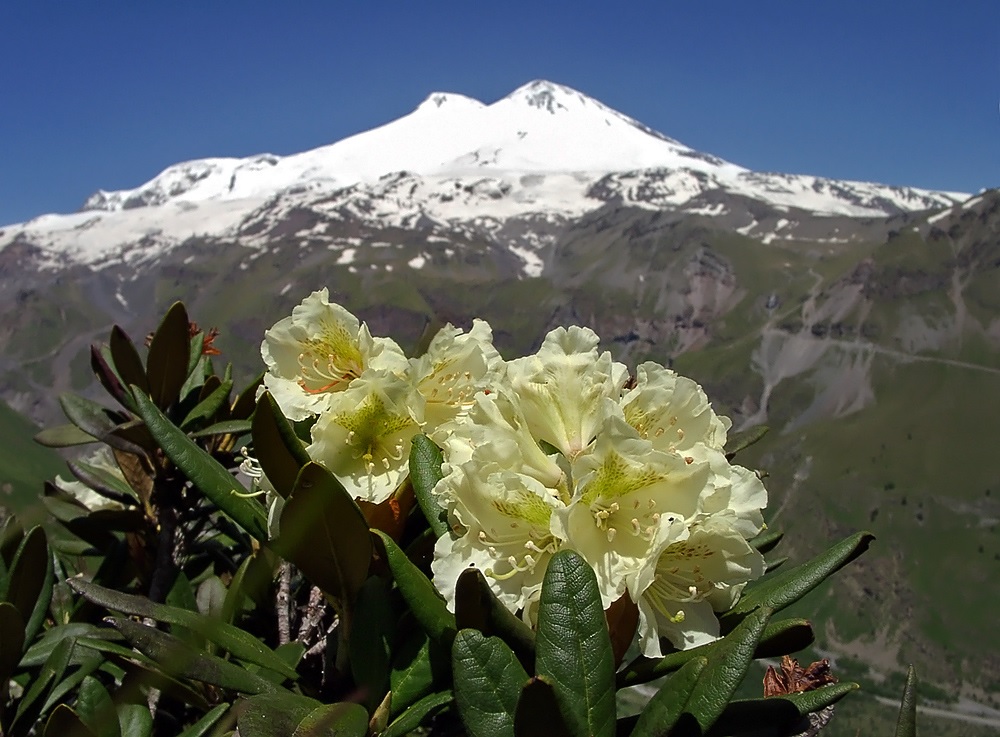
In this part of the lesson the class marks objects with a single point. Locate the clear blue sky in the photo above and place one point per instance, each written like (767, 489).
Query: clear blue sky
(106, 94)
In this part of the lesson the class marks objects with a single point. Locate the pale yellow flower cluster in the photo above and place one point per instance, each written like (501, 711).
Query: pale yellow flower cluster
(366, 399)
(557, 450)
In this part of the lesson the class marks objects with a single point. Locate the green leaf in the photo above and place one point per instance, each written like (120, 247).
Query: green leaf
(134, 720)
(207, 407)
(64, 436)
(425, 602)
(96, 710)
(64, 722)
(41, 650)
(226, 427)
(415, 672)
(278, 449)
(777, 592)
(370, 641)
(727, 664)
(180, 659)
(906, 725)
(334, 720)
(323, 532)
(742, 440)
(573, 648)
(425, 472)
(40, 611)
(91, 417)
(202, 727)
(488, 682)
(274, 714)
(103, 482)
(205, 472)
(537, 713)
(126, 359)
(169, 354)
(246, 401)
(418, 714)
(476, 606)
(780, 713)
(767, 540)
(240, 643)
(108, 377)
(11, 643)
(31, 567)
(669, 703)
(30, 706)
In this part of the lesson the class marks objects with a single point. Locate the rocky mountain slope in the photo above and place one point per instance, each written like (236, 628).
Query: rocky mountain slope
(860, 322)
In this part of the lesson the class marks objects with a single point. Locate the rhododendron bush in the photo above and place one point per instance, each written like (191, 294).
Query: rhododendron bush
(362, 542)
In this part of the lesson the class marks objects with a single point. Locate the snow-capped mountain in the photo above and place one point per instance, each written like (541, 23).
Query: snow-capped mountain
(543, 151)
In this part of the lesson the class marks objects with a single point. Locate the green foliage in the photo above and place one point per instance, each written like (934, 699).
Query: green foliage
(292, 609)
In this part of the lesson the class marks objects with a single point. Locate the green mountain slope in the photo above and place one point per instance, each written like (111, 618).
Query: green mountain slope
(24, 465)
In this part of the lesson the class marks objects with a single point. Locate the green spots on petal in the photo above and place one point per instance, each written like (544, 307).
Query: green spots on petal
(615, 479)
(523, 505)
(330, 358)
(371, 424)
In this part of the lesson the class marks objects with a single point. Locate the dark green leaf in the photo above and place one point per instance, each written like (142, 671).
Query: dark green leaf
(425, 472)
(11, 642)
(767, 540)
(89, 416)
(64, 436)
(669, 703)
(727, 664)
(42, 601)
(179, 659)
(780, 713)
(323, 532)
(108, 377)
(370, 641)
(424, 601)
(103, 482)
(334, 720)
(207, 407)
(228, 427)
(169, 354)
(41, 650)
(537, 713)
(573, 648)
(243, 405)
(96, 710)
(415, 672)
(278, 449)
(741, 440)
(418, 714)
(31, 704)
(274, 714)
(202, 727)
(195, 348)
(777, 592)
(126, 359)
(240, 643)
(205, 472)
(476, 606)
(31, 567)
(906, 725)
(135, 720)
(488, 682)
(64, 722)
(774, 564)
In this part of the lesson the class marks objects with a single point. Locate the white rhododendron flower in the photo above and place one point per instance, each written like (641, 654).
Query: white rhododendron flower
(698, 568)
(562, 455)
(562, 387)
(456, 366)
(363, 437)
(317, 352)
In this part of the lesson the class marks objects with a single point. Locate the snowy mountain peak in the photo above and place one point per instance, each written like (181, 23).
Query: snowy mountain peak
(450, 100)
(545, 150)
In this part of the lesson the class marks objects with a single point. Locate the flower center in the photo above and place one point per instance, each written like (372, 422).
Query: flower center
(330, 360)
